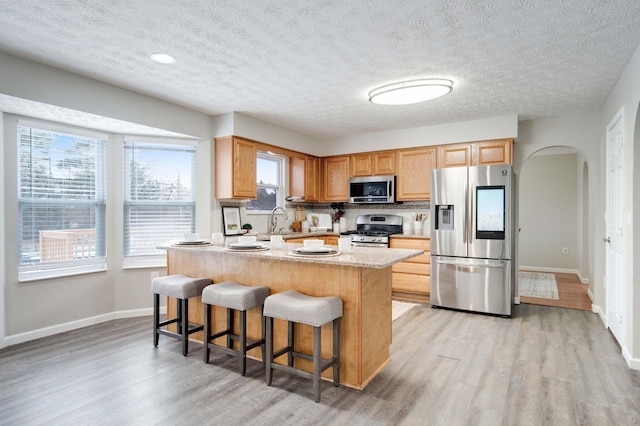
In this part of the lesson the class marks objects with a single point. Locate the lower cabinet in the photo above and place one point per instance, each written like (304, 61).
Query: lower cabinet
(411, 280)
(331, 240)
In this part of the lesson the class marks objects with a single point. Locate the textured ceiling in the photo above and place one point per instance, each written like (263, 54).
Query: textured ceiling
(308, 65)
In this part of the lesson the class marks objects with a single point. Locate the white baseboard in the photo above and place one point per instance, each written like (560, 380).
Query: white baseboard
(633, 363)
(582, 279)
(74, 325)
(597, 309)
(550, 270)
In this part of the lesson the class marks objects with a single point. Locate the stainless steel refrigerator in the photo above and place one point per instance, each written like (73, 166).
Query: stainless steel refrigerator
(472, 238)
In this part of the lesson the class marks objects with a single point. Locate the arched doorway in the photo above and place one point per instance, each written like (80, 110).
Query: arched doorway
(553, 222)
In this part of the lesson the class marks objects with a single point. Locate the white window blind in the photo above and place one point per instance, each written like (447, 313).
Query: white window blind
(159, 195)
(269, 176)
(61, 202)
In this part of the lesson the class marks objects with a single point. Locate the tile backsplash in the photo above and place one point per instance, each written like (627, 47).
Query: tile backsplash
(260, 224)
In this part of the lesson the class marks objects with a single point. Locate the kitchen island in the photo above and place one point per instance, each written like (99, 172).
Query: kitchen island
(362, 279)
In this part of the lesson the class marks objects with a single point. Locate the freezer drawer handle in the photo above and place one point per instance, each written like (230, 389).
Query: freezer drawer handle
(466, 265)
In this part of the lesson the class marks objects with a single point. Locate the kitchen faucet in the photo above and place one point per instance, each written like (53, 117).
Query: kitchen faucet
(274, 220)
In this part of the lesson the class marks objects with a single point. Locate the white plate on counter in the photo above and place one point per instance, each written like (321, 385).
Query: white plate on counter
(305, 250)
(193, 243)
(238, 246)
(329, 253)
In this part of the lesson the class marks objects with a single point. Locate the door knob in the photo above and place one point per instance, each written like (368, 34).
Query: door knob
(607, 240)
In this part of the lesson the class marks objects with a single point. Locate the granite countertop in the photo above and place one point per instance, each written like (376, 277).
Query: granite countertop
(365, 257)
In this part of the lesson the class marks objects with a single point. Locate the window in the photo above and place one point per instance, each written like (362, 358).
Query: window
(269, 169)
(159, 195)
(61, 201)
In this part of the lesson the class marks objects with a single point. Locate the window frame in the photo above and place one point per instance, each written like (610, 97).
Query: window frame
(61, 268)
(280, 188)
(156, 259)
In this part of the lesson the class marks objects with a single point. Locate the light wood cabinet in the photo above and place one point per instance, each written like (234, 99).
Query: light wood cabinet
(331, 240)
(454, 155)
(235, 160)
(335, 178)
(481, 153)
(328, 239)
(304, 177)
(384, 163)
(493, 152)
(373, 163)
(411, 279)
(361, 165)
(413, 175)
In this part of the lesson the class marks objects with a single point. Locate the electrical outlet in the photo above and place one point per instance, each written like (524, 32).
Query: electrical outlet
(565, 250)
(155, 274)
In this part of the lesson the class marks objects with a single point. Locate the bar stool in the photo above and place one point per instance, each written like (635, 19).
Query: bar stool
(182, 288)
(295, 307)
(234, 297)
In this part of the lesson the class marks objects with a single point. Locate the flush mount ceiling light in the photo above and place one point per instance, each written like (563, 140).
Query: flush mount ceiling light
(162, 58)
(411, 91)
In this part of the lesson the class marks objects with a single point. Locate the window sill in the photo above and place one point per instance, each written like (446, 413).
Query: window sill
(39, 274)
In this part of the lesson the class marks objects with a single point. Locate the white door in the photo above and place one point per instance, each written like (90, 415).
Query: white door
(614, 225)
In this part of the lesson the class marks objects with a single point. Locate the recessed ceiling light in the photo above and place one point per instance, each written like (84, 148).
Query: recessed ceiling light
(162, 58)
(411, 91)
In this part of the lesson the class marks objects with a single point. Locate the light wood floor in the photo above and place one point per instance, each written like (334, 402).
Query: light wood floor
(543, 366)
(572, 293)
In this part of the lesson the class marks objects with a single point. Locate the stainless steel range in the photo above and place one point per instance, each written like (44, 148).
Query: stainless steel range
(373, 230)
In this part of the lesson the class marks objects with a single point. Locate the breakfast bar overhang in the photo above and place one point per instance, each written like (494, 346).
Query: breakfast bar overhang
(362, 280)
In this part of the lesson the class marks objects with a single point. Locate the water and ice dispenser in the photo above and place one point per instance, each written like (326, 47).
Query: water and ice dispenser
(444, 217)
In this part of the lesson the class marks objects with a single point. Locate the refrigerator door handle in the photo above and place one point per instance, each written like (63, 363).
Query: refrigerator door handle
(466, 208)
(466, 265)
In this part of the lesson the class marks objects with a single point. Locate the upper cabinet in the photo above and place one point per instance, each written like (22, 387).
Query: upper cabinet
(493, 152)
(413, 178)
(304, 177)
(384, 163)
(235, 172)
(373, 163)
(454, 155)
(335, 177)
(361, 164)
(483, 153)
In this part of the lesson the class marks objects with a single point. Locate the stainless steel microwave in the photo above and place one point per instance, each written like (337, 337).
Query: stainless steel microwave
(372, 189)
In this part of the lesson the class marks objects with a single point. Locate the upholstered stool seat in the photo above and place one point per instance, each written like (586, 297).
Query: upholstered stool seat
(234, 297)
(182, 288)
(295, 307)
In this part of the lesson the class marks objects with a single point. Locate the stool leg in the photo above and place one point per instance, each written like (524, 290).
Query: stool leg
(290, 339)
(269, 350)
(207, 332)
(156, 318)
(336, 351)
(229, 327)
(179, 315)
(242, 346)
(317, 348)
(263, 335)
(185, 326)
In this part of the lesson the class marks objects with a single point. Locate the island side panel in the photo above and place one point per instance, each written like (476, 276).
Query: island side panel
(376, 321)
(363, 351)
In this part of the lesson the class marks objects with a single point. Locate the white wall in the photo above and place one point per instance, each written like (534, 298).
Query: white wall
(626, 94)
(39, 308)
(475, 130)
(548, 211)
(581, 132)
(29, 80)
